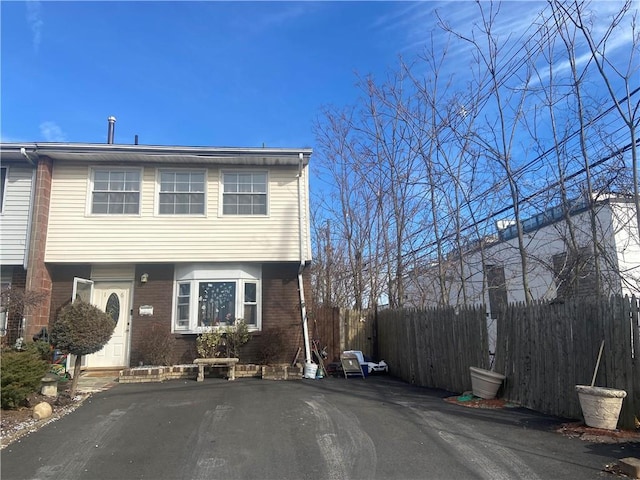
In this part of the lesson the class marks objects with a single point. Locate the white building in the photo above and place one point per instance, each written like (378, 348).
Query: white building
(491, 272)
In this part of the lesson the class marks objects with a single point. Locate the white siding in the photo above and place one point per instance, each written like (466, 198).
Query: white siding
(628, 247)
(618, 236)
(14, 220)
(76, 236)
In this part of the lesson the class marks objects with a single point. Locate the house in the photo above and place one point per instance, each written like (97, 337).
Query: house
(489, 271)
(170, 238)
(17, 188)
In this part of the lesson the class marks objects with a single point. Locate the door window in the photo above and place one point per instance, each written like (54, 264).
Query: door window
(113, 307)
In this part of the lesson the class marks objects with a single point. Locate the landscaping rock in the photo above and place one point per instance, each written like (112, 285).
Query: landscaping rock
(42, 410)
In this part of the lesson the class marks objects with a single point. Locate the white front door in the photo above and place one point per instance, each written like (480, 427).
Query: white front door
(113, 298)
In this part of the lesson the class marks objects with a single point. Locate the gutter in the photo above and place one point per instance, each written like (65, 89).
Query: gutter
(303, 307)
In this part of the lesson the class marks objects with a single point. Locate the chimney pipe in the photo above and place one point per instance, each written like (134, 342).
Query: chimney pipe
(112, 123)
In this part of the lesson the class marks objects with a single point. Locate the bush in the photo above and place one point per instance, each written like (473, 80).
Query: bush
(81, 329)
(208, 344)
(226, 342)
(40, 348)
(157, 347)
(272, 346)
(21, 373)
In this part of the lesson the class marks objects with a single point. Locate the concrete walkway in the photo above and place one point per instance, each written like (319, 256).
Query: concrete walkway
(91, 382)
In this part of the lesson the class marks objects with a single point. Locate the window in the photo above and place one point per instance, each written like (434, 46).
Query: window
(181, 193)
(497, 289)
(575, 274)
(244, 193)
(3, 181)
(250, 303)
(182, 314)
(216, 295)
(116, 192)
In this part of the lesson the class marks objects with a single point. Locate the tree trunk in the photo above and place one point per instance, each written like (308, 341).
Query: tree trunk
(76, 375)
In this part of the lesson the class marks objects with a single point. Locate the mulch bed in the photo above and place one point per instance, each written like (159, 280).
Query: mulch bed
(573, 429)
(477, 402)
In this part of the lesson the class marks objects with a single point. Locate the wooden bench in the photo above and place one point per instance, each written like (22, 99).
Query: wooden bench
(228, 363)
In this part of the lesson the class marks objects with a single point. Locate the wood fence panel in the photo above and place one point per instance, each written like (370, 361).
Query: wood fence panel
(543, 349)
(325, 329)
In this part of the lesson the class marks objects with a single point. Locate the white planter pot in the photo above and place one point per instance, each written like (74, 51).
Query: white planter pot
(600, 406)
(485, 383)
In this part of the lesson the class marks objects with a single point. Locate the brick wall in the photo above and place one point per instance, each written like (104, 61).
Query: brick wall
(157, 292)
(38, 277)
(280, 310)
(62, 286)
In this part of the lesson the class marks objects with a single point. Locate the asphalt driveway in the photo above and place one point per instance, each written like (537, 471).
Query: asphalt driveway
(333, 428)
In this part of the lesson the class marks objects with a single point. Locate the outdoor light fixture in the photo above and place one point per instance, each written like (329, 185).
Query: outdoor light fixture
(144, 277)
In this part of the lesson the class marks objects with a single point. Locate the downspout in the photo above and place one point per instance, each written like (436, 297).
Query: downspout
(303, 307)
(32, 199)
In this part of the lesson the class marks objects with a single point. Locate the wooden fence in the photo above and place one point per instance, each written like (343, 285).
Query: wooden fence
(338, 330)
(546, 349)
(543, 349)
(434, 347)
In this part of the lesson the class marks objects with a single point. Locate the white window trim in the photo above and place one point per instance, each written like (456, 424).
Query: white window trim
(159, 171)
(4, 188)
(195, 274)
(4, 317)
(245, 171)
(89, 206)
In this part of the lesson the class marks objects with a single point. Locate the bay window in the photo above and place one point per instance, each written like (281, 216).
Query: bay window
(216, 296)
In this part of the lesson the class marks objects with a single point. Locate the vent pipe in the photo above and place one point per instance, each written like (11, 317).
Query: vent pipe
(112, 124)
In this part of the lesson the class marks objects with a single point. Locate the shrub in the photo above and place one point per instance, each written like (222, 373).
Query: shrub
(236, 335)
(81, 329)
(272, 346)
(208, 343)
(157, 346)
(40, 348)
(226, 342)
(21, 373)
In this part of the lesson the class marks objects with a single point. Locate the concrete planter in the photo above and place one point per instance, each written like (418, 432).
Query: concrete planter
(485, 383)
(600, 406)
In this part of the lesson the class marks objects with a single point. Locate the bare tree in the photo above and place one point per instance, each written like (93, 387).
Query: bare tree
(627, 73)
(507, 105)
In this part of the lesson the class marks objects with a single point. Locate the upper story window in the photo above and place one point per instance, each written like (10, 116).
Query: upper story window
(244, 193)
(115, 191)
(182, 192)
(3, 181)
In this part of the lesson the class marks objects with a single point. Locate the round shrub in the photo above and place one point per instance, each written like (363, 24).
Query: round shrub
(21, 373)
(81, 329)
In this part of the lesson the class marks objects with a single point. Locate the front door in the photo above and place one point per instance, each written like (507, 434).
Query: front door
(113, 298)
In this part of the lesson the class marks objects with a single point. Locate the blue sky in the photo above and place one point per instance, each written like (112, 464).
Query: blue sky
(186, 73)
(204, 73)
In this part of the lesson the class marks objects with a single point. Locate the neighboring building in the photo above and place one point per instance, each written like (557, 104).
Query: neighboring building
(175, 238)
(490, 271)
(17, 186)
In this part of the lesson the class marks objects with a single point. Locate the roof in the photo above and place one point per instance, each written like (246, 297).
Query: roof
(110, 152)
